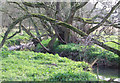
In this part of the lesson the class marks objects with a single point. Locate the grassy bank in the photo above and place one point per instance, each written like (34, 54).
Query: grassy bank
(30, 66)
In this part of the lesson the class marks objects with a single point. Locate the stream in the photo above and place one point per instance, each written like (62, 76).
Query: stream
(105, 73)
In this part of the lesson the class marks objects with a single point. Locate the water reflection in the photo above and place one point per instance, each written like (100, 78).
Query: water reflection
(107, 74)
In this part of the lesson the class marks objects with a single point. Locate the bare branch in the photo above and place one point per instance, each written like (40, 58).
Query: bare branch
(93, 9)
(58, 23)
(16, 32)
(106, 17)
(36, 5)
(29, 33)
(73, 11)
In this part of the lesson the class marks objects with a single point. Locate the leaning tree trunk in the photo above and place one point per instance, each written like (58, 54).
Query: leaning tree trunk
(57, 22)
(62, 32)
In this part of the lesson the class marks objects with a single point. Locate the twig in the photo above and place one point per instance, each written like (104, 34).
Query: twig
(94, 62)
(16, 31)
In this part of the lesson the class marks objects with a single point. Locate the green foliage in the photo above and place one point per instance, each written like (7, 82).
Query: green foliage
(92, 53)
(73, 76)
(5, 52)
(68, 47)
(30, 66)
(111, 38)
(12, 42)
(96, 52)
(16, 39)
(45, 43)
(4, 48)
(113, 45)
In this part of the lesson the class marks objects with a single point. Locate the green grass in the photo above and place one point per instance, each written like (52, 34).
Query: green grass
(92, 52)
(30, 66)
(17, 38)
(68, 47)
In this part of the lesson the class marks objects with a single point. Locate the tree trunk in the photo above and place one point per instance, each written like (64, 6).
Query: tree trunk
(66, 25)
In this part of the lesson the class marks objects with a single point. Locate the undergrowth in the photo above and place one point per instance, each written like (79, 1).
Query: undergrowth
(91, 53)
(31, 66)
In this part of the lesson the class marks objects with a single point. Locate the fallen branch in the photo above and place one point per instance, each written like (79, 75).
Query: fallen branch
(29, 33)
(94, 62)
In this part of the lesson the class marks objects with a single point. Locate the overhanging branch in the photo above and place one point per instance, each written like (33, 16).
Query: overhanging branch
(91, 21)
(58, 23)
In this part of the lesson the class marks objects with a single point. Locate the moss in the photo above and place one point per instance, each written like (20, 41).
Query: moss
(72, 28)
